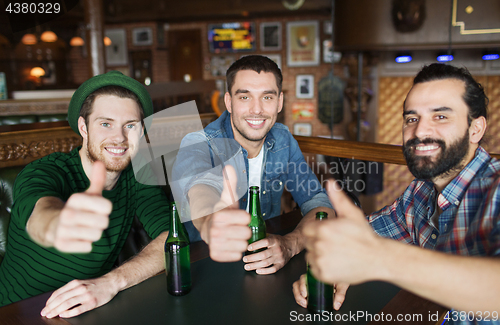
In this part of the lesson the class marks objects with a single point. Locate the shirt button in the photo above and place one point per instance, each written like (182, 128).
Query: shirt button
(456, 202)
(264, 192)
(281, 183)
(433, 236)
(263, 214)
(244, 171)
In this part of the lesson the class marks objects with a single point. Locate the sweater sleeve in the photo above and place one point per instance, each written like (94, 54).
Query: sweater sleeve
(152, 207)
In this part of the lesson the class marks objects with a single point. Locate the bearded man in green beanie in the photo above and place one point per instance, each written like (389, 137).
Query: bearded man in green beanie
(72, 212)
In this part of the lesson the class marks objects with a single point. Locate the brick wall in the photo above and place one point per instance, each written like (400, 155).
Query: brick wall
(160, 62)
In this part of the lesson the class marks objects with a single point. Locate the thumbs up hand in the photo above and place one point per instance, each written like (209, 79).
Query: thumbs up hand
(226, 230)
(84, 216)
(344, 249)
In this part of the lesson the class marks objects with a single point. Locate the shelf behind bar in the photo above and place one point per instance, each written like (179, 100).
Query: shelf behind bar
(385, 153)
(20, 145)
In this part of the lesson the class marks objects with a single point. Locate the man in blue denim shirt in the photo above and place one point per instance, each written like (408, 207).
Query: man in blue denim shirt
(441, 238)
(264, 153)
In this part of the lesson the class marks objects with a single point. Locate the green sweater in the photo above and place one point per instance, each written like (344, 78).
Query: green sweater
(29, 269)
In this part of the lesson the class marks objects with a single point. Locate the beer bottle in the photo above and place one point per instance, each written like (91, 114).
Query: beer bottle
(319, 294)
(177, 257)
(257, 224)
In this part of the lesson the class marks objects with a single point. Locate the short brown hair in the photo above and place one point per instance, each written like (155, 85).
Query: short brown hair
(256, 63)
(117, 91)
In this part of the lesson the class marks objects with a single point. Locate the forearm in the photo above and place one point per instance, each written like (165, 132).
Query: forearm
(42, 222)
(460, 282)
(295, 239)
(147, 263)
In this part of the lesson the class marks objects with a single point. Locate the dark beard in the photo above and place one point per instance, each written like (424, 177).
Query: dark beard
(448, 161)
(246, 137)
(95, 155)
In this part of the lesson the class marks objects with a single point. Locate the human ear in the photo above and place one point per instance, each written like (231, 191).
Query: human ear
(227, 101)
(477, 129)
(280, 102)
(82, 127)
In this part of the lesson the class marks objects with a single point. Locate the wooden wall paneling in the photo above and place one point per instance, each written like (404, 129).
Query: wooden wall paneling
(492, 139)
(19, 148)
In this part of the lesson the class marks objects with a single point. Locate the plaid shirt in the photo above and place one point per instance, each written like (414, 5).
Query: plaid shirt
(470, 220)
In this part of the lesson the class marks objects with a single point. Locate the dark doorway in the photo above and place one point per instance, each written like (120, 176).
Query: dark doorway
(185, 55)
(141, 66)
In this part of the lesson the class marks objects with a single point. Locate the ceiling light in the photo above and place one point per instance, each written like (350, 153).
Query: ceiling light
(48, 36)
(29, 39)
(403, 58)
(37, 72)
(107, 41)
(4, 41)
(490, 56)
(76, 41)
(445, 58)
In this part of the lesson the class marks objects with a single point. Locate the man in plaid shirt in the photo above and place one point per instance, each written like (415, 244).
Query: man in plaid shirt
(450, 213)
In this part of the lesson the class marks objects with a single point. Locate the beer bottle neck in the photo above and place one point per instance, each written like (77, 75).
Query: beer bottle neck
(175, 223)
(254, 206)
(321, 216)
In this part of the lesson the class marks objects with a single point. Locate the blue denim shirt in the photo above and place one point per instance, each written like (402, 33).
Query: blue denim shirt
(283, 166)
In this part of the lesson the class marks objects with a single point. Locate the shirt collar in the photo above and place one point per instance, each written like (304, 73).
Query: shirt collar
(270, 139)
(455, 190)
(226, 124)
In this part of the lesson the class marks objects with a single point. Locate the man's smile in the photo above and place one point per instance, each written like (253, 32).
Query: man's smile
(116, 151)
(426, 149)
(255, 123)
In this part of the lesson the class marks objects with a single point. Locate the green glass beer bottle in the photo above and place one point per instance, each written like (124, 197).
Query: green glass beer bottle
(257, 224)
(177, 257)
(319, 294)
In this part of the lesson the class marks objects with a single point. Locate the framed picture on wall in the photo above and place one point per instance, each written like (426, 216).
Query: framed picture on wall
(142, 36)
(234, 37)
(3, 86)
(303, 46)
(328, 55)
(124, 70)
(303, 110)
(276, 58)
(220, 64)
(304, 129)
(116, 53)
(304, 86)
(327, 27)
(270, 36)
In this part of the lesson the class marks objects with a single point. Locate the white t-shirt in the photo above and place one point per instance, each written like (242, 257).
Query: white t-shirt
(255, 172)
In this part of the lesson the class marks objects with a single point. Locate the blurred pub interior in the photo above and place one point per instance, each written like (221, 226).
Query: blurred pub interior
(167, 43)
